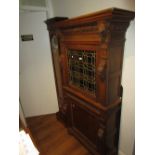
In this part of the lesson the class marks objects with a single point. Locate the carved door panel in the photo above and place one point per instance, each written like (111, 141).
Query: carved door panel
(85, 122)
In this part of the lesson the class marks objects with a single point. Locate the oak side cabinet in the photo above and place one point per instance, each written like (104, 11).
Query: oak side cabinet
(87, 55)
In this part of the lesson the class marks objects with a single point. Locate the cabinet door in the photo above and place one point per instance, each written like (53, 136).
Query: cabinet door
(86, 123)
(83, 67)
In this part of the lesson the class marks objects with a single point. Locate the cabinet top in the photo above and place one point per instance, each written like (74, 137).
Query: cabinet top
(114, 14)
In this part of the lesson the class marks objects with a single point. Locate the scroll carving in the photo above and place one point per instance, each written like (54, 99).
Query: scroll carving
(105, 35)
(104, 31)
(102, 69)
(100, 133)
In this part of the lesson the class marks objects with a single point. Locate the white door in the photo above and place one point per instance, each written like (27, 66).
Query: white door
(37, 86)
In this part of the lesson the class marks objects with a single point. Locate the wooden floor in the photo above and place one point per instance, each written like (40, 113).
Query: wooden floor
(52, 137)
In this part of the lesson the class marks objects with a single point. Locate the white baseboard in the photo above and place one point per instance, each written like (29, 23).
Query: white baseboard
(120, 153)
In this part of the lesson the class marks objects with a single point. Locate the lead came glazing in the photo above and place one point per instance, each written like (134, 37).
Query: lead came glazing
(82, 69)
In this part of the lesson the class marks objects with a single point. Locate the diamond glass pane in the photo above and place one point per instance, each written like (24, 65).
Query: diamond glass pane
(82, 69)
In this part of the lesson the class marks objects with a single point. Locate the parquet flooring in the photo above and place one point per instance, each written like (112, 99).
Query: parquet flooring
(52, 137)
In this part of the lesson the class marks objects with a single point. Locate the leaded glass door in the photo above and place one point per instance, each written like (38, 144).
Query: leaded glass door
(81, 64)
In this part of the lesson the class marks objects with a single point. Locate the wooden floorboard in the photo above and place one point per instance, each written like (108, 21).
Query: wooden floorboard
(52, 137)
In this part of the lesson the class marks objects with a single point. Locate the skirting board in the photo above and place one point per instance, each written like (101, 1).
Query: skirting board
(121, 153)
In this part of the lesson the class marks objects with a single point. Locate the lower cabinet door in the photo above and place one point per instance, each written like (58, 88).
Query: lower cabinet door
(87, 124)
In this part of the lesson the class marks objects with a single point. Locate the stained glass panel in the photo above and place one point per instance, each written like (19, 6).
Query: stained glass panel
(82, 69)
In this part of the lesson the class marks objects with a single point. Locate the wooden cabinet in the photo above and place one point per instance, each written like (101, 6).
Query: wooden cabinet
(87, 54)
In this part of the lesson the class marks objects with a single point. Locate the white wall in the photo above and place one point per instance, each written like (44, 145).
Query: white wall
(21, 115)
(73, 8)
(49, 7)
(127, 131)
(33, 2)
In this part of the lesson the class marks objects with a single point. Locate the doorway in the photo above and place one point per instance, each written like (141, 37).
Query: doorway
(36, 78)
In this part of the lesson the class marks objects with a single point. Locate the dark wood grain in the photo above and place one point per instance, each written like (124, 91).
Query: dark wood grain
(52, 137)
